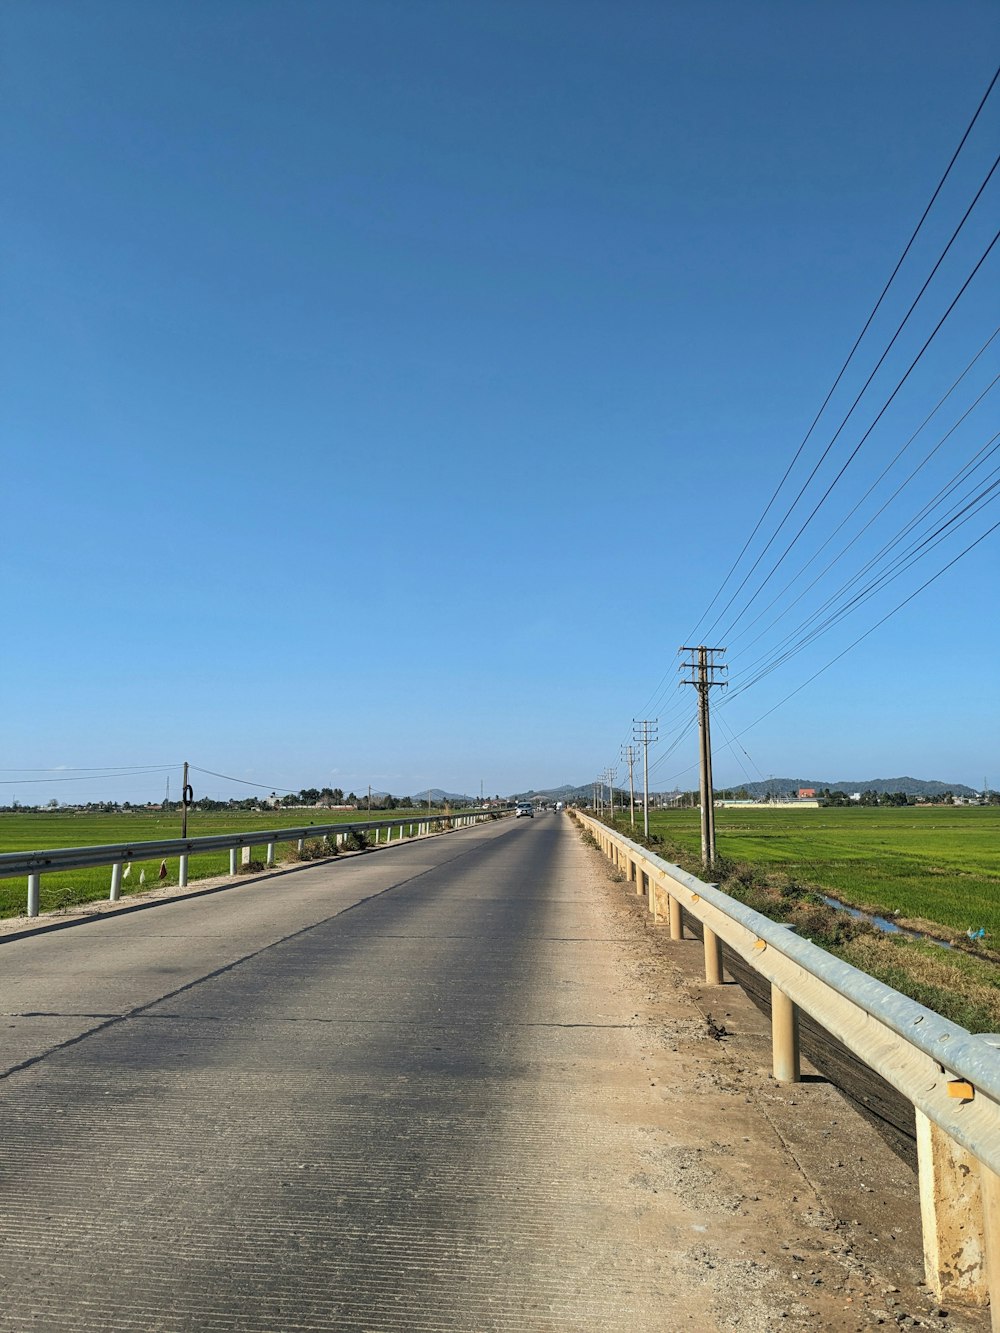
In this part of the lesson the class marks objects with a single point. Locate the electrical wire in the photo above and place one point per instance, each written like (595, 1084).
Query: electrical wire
(911, 551)
(850, 355)
(81, 777)
(242, 781)
(866, 594)
(840, 526)
(908, 527)
(888, 616)
(850, 458)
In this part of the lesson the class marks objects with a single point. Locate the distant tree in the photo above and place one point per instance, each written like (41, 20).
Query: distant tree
(309, 795)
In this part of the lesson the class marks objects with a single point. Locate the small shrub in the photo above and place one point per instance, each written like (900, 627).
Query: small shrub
(354, 841)
(63, 899)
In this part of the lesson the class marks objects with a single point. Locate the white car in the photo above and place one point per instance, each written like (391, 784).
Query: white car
(524, 808)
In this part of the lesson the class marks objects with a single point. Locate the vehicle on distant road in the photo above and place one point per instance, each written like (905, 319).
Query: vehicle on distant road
(524, 808)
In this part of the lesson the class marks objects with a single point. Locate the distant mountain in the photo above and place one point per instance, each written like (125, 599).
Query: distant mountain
(436, 794)
(564, 793)
(773, 787)
(911, 786)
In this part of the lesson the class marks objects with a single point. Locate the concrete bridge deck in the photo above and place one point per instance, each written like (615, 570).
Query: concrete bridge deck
(455, 1084)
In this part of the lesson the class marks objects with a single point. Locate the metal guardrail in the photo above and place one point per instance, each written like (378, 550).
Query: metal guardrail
(33, 865)
(951, 1076)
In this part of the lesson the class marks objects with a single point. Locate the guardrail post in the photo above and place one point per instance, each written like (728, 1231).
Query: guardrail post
(713, 956)
(676, 919)
(989, 1186)
(34, 881)
(246, 854)
(636, 874)
(116, 882)
(958, 1204)
(232, 860)
(270, 853)
(785, 1060)
(301, 845)
(182, 870)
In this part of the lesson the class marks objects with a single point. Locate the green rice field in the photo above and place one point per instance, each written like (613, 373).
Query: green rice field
(43, 830)
(936, 864)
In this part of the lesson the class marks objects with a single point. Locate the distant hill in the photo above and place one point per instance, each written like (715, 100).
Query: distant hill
(564, 793)
(911, 786)
(776, 787)
(436, 794)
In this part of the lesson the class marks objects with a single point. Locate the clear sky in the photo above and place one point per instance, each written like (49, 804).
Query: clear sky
(390, 386)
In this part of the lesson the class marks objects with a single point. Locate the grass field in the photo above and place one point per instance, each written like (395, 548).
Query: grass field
(38, 831)
(937, 867)
(938, 864)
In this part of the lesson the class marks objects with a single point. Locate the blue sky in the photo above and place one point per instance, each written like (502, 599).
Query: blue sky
(389, 387)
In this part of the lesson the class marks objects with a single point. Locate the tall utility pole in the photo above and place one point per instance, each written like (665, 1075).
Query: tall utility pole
(187, 796)
(645, 732)
(609, 778)
(705, 672)
(628, 755)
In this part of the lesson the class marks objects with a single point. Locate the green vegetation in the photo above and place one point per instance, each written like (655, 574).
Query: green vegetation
(931, 868)
(41, 830)
(928, 864)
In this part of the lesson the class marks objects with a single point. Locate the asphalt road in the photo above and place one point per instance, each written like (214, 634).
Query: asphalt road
(429, 1088)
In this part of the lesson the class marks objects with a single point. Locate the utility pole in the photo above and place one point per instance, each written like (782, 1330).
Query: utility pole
(187, 796)
(645, 732)
(628, 754)
(609, 777)
(705, 672)
(369, 798)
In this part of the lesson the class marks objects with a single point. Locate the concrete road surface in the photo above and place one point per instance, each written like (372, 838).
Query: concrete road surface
(445, 1085)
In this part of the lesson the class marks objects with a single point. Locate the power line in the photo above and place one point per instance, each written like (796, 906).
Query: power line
(850, 458)
(915, 551)
(982, 455)
(242, 781)
(899, 453)
(906, 600)
(850, 355)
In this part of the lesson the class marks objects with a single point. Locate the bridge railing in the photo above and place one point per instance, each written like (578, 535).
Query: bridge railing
(951, 1076)
(32, 865)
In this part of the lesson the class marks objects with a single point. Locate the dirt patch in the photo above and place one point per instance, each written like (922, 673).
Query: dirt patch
(832, 1214)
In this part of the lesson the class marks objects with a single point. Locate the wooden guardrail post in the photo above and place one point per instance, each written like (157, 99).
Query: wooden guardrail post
(785, 1060)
